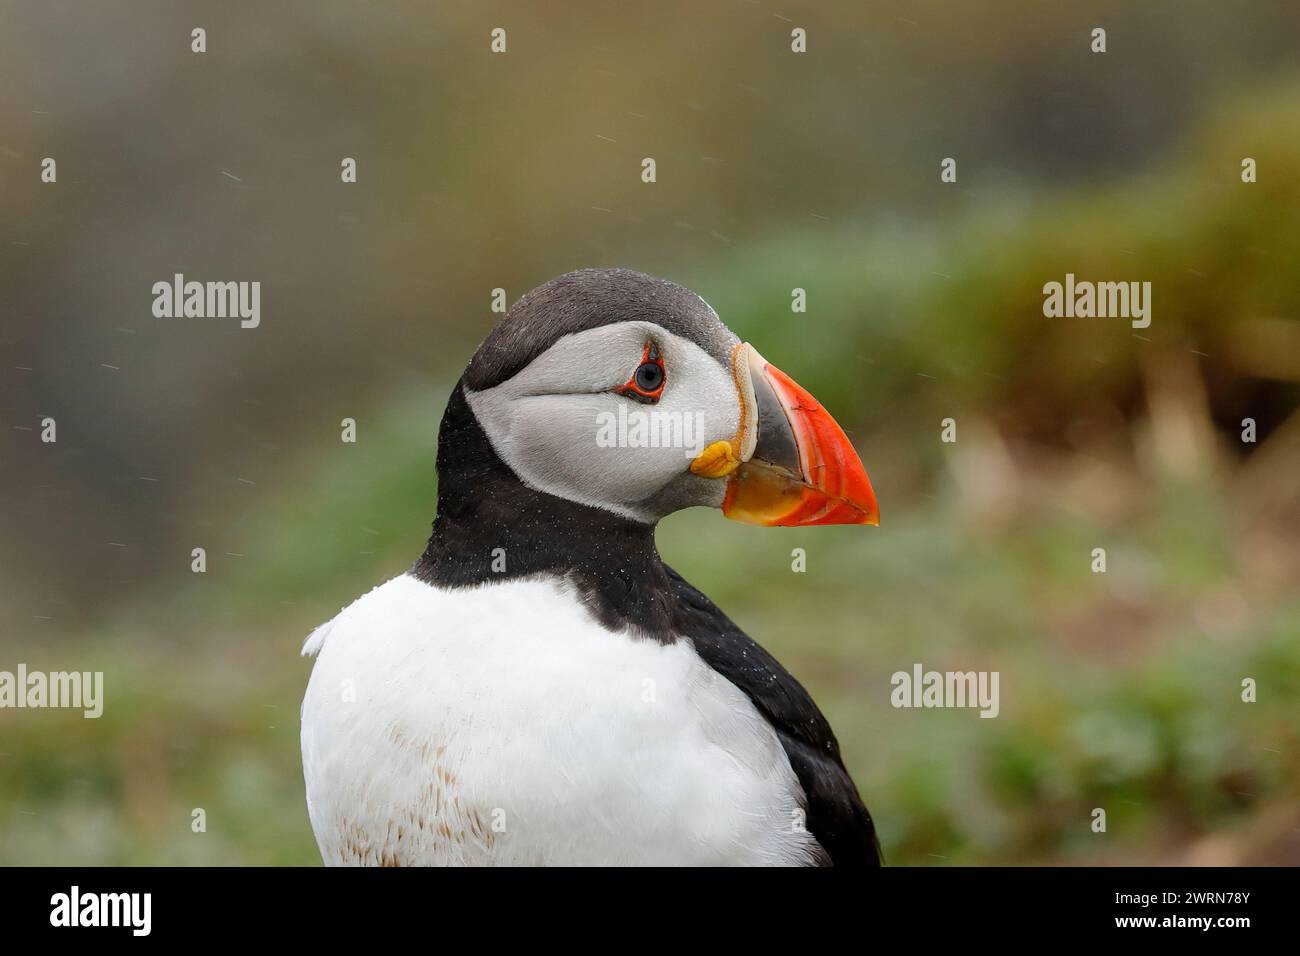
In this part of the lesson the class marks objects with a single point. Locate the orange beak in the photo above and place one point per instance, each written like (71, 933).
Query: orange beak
(797, 467)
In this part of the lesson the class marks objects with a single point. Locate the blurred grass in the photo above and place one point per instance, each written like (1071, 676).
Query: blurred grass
(1119, 691)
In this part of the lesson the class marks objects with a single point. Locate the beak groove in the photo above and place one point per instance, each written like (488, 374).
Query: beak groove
(803, 470)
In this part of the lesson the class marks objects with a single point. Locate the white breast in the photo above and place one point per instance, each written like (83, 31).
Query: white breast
(502, 725)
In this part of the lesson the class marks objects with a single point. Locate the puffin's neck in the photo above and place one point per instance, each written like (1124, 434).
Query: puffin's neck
(491, 527)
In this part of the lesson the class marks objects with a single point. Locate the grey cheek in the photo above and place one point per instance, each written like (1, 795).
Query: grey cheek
(686, 491)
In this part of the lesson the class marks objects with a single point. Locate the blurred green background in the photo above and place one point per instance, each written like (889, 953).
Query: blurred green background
(820, 171)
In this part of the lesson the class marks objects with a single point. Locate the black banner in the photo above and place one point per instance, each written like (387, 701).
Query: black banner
(935, 905)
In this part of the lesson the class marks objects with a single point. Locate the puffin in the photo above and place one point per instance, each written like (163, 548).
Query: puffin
(540, 688)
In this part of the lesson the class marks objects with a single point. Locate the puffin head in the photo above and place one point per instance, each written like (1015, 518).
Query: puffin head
(623, 392)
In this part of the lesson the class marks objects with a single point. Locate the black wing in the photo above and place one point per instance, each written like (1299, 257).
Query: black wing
(836, 815)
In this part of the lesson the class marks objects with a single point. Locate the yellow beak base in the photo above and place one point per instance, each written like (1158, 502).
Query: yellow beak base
(716, 461)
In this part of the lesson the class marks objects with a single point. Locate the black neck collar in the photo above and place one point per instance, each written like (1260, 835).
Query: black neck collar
(491, 527)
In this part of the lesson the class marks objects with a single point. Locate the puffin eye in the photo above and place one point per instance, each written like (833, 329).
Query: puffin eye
(647, 382)
(649, 376)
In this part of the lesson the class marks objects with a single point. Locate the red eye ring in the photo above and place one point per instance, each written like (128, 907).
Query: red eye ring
(648, 379)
